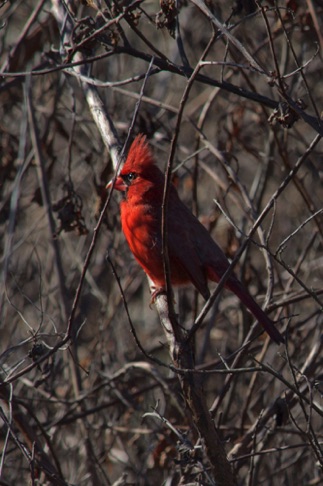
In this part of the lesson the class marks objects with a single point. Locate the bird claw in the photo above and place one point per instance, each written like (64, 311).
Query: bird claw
(155, 293)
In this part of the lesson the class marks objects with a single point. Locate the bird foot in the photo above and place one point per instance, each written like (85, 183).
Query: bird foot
(155, 293)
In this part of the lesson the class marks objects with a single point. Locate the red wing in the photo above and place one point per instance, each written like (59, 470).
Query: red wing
(182, 246)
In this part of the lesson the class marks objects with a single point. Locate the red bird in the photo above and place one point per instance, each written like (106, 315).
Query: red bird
(193, 254)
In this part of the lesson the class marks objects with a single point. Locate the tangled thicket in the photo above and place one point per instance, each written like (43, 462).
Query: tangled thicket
(236, 88)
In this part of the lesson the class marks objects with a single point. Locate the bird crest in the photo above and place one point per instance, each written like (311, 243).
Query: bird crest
(139, 156)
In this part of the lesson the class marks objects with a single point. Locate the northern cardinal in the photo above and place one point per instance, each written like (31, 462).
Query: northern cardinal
(193, 255)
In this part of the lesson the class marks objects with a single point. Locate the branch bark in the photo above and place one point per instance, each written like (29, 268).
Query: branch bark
(192, 386)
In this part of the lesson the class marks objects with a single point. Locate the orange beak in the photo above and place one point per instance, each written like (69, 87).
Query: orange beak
(119, 184)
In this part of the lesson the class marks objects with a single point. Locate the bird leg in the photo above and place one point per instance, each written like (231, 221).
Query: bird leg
(155, 292)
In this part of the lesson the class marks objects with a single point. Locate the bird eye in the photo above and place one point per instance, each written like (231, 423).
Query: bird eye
(128, 178)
